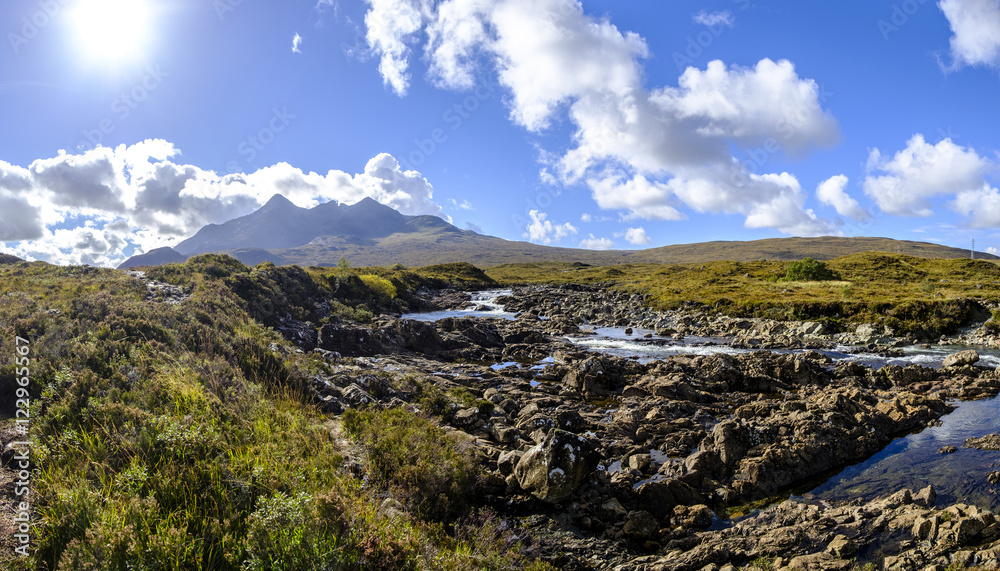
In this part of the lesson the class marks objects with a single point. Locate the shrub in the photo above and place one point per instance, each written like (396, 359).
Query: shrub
(413, 458)
(381, 287)
(808, 270)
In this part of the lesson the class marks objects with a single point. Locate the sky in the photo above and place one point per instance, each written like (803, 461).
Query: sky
(128, 125)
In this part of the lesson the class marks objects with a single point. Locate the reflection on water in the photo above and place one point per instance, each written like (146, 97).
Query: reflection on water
(909, 462)
(914, 462)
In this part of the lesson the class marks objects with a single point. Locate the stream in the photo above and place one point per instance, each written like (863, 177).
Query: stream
(912, 461)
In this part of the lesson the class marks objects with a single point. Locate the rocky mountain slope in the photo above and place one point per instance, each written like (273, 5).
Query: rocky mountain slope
(371, 234)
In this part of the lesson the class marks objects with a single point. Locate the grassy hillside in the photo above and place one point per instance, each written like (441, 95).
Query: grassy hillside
(175, 436)
(918, 296)
(435, 247)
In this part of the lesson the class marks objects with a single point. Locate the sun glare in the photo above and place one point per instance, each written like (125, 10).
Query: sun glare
(112, 30)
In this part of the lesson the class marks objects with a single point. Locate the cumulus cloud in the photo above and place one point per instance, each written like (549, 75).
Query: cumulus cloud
(975, 25)
(593, 243)
(391, 24)
(541, 229)
(981, 206)
(92, 208)
(713, 19)
(905, 184)
(297, 44)
(832, 193)
(632, 146)
(638, 237)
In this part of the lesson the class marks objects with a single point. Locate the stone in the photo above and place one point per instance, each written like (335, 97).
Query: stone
(612, 510)
(693, 517)
(947, 450)
(554, 468)
(926, 497)
(842, 547)
(641, 525)
(962, 358)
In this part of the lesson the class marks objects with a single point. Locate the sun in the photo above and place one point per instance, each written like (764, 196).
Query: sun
(112, 30)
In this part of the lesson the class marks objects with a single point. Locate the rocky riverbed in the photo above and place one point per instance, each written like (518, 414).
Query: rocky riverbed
(617, 463)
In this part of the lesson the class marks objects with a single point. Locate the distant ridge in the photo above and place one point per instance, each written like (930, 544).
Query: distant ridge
(157, 257)
(371, 234)
(8, 259)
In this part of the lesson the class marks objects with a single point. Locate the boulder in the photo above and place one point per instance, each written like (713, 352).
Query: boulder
(554, 468)
(962, 358)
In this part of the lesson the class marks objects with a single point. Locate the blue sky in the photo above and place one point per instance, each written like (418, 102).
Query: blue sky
(129, 124)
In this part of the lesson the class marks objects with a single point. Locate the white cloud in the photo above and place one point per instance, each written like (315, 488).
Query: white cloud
(905, 184)
(464, 205)
(831, 192)
(714, 19)
(391, 25)
(297, 44)
(474, 227)
(633, 146)
(543, 230)
(586, 217)
(638, 237)
(982, 206)
(642, 198)
(593, 243)
(976, 28)
(115, 199)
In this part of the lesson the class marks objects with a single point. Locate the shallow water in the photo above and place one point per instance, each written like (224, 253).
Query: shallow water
(483, 298)
(914, 462)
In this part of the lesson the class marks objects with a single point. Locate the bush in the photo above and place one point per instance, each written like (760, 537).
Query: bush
(380, 286)
(808, 270)
(414, 459)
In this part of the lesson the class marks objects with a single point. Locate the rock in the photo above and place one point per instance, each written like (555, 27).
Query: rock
(926, 497)
(842, 547)
(947, 450)
(555, 468)
(467, 417)
(694, 517)
(962, 358)
(988, 442)
(641, 525)
(508, 460)
(993, 477)
(660, 496)
(612, 511)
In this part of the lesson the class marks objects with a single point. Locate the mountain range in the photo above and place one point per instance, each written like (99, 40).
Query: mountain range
(371, 234)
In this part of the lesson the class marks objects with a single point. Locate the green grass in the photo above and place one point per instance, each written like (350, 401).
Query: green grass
(171, 437)
(888, 289)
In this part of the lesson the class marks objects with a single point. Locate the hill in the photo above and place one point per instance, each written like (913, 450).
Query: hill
(372, 234)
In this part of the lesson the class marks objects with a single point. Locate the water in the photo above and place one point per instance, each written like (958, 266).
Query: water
(614, 341)
(486, 299)
(914, 462)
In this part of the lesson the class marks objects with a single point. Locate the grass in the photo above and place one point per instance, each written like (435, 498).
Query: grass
(172, 437)
(882, 288)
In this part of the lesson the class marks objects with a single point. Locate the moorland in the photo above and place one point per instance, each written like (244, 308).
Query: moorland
(212, 415)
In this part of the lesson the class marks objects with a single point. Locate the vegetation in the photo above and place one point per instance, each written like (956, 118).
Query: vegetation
(171, 436)
(808, 270)
(886, 289)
